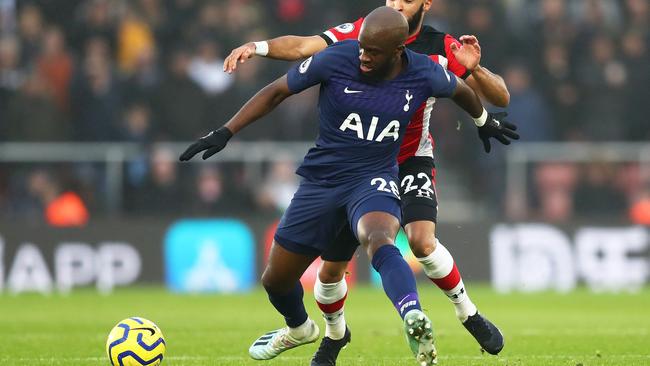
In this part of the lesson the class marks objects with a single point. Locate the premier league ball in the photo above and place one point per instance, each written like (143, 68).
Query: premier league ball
(135, 342)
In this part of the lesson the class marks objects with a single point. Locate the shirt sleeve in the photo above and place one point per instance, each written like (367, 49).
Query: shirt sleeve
(308, 73)
(443, 84)
(452, 63)
(342, 32)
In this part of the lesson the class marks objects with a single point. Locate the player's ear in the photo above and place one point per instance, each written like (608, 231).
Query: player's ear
(427, 5)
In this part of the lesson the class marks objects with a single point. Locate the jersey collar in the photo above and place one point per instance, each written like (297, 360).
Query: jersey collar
(412, 38)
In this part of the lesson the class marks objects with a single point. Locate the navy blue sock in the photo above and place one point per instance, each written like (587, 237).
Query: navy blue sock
(290, 305)
(397, 278)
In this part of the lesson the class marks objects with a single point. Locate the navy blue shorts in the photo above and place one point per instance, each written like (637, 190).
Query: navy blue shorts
(419, 203)
(318, 214)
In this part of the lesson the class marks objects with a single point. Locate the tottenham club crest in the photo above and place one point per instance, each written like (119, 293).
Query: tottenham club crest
(408, 96)
(345, 28)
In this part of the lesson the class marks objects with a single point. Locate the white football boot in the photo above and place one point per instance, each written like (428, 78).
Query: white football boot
(419, 334)
(271, 344)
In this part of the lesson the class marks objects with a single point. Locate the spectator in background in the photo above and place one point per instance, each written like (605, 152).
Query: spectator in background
(61, 208)
(557, 82)
(210, 196)
(595, 195)
(279, 186)
(637, 111)
(179, 98)
(78, 62)
(97, 97)
(145, 79)
(136, 127)
(11, 77)
(638, 14)
(527, 106)
(97, 21)
(209, 23)
(55, 67)
(555, 184)
(290, 10)
(30, 25)
(206, 69)
(482, 20)
(134, 38)
(7, 17)
(162, 191)
(32, 114)
(603, 78)
(179, 13)
(595, 16)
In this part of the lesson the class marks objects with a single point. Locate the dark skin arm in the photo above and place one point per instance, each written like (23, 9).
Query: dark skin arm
(257, 107)
(288, 48)
(265, 101)
(487, 84)
(466, 98)
(490, 85)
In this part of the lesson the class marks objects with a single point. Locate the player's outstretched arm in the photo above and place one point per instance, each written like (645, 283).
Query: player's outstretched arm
(257, 107)
(490, 125)
(487, 84)
(288, 48)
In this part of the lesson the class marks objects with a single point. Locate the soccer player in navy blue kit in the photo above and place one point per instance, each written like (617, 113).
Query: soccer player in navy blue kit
(417, 173)
(369, 91)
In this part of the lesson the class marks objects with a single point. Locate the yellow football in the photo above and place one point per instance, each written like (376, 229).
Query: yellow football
(134, 342)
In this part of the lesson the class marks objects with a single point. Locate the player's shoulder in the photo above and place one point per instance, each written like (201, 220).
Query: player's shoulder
(342, 32)
(348, 49)
(429, 41)
(344, 45)
(422, 67)
(420, 62)
(334, 59)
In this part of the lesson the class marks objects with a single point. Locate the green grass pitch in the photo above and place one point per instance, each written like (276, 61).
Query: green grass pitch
(541, 329)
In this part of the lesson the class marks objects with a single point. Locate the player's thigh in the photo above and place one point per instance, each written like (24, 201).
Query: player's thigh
(311, 221)
(374, 211)
(376, 229)
(284, 268)
(418, 194)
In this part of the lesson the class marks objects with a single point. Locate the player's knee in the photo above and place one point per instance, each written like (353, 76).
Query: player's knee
(376, 238)
(421, 240)
(271, 283)
(332, 272)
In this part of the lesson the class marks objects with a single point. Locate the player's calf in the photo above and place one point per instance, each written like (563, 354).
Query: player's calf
(441, 269)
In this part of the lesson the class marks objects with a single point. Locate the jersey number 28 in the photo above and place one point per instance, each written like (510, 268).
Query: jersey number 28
(383, 186)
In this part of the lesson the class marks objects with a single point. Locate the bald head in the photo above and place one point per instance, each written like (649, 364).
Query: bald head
(387, 25)
(381, 42)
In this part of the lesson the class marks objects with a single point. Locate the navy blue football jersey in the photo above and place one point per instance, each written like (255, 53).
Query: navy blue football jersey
(362, 122)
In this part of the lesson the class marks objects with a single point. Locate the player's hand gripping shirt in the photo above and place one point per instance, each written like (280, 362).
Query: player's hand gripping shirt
(362, 122)
(429, 41)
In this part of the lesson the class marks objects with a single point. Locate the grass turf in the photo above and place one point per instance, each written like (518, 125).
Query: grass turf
(541, 329)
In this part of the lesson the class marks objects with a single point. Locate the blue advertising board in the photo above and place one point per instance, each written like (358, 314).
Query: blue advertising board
(215, 255)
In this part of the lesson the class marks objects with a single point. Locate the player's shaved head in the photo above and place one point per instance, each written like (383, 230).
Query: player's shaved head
(381, 42)
(386, 26)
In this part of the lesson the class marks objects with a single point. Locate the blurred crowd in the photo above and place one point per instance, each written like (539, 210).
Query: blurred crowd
(147, 71)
